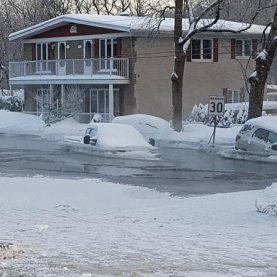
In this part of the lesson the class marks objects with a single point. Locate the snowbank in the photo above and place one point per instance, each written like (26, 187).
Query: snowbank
(75, 227)
(267, 201)
(195, 135)
(19, 123)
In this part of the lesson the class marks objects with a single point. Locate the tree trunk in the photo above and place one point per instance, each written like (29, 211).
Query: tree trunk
(258, 80)
(178, 70)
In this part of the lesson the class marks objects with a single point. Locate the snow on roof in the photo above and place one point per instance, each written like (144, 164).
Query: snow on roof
(268, 122)
(131, 24)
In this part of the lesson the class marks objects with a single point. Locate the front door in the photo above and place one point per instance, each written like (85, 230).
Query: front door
(88, 55)
(62, 58)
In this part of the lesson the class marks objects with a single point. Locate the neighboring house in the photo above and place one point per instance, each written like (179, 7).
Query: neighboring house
(123, 66)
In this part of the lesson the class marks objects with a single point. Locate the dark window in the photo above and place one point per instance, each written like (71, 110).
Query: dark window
(243, 48)
(196, 49)
(261, 134)
(201, 49)
(239, 48)
(207, 49)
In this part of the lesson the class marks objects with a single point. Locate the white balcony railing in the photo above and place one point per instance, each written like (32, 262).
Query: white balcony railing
(69, 67)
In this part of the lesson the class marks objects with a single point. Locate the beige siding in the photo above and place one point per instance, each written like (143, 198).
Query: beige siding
(154, 65)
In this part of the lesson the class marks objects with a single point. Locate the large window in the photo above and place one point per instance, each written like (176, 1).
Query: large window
(201, 49)
(42, 56)
(99, 101)
(243, 48)
(107, 50)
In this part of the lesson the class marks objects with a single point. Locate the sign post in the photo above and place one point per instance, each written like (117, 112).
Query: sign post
(216, 108)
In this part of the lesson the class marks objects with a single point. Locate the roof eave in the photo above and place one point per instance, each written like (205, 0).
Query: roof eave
(60, 21)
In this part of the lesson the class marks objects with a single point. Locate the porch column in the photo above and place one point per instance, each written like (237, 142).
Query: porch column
(62, 97)
(111, 102)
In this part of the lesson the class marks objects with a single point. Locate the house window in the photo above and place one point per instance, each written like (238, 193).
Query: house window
(243, 48)
(201, 49)
(232, 96)
(106, 51)
(99, 101)
(42, 56)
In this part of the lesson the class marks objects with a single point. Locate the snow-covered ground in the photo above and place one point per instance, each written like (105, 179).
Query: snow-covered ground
(94, 228)
(87, 228)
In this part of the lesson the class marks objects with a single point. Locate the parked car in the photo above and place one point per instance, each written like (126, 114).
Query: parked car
(258, 136)
(148, 125)
(111, 138)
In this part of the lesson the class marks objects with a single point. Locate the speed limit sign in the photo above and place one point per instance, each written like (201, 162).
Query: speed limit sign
(216, 106)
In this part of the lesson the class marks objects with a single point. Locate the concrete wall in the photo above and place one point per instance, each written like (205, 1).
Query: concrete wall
(154, 65)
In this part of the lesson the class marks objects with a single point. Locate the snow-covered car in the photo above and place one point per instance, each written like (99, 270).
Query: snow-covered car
(258, 136)
(149, 126)
(110, 138)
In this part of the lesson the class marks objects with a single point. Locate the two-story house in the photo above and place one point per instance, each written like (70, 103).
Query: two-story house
(122, 66)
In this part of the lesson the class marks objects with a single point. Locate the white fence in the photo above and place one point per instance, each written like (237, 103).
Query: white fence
(71, 67)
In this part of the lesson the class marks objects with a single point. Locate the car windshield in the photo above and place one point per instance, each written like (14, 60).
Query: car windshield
(91, 131)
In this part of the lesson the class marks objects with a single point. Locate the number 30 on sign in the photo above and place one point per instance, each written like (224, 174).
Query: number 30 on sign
(216, 106)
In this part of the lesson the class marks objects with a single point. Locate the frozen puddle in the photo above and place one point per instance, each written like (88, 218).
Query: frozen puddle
(95, 228)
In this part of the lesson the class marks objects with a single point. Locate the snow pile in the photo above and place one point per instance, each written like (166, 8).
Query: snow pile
(267, 122)
(267, 202)
(75, 227)
(19, 123)
(67, 127)
(149, 126)
(197, 135)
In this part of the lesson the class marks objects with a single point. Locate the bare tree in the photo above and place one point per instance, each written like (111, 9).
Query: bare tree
(264, 61)
(197, 24)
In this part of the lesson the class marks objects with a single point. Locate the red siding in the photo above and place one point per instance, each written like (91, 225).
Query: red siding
(82, 30)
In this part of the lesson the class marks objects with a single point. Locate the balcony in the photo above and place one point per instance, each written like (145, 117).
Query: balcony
(70, 71)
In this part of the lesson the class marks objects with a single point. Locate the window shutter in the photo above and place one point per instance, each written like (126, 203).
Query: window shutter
(242, 95)
(96, 48)
(254, 48)
(215, 49)
(233, 48)
(224, 92)
(188, 53)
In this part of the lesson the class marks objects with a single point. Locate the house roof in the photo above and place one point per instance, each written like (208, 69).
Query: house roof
(130, 24)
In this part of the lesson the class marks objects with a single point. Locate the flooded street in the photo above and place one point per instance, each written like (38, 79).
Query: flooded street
(180, 171)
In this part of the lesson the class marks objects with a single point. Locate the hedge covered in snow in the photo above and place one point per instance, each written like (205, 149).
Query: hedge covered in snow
(11, 103)
(234, 114)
